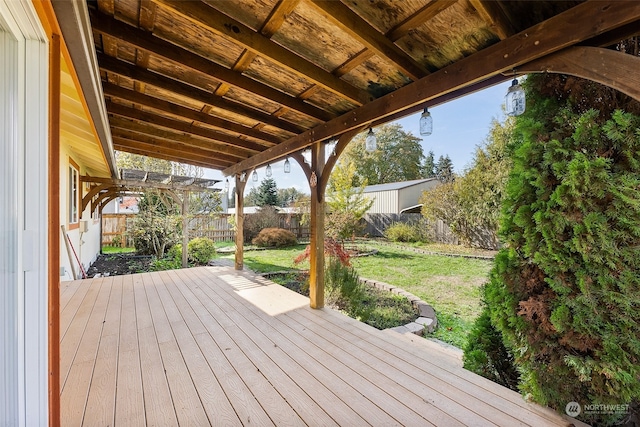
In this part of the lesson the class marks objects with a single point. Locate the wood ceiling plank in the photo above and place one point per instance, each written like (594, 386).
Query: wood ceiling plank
(188, 140)
(227, 144)
(494, 16)
(162, 105)
(427, 12)
(349, 22)
(582, 22)
(106, 25)
(152, 78)
(218, 22)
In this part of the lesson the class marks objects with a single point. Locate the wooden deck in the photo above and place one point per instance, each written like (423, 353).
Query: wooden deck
(212, 346)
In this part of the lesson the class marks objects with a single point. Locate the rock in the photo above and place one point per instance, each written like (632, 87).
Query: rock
(415, 328)
(425, 310)
(428, 323)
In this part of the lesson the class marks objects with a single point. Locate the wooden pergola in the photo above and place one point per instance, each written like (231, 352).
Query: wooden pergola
(234, 85)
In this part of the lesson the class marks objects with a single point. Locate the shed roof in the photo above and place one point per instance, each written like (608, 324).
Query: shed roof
(232, 85)
(396, 185)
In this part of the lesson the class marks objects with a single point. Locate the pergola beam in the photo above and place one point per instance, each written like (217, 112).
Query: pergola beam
(585, 20)
(593, 63)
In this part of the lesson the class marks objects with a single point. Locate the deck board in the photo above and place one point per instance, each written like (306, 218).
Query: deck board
(212, 346)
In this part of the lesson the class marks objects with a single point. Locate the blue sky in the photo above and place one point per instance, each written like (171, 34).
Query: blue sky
(458, 127)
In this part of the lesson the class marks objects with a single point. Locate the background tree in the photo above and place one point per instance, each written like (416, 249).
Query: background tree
(444, 169)
(347, 203)
(289, 196)
(429, 166)
(399, 156)
(267, 193)
(564, 291)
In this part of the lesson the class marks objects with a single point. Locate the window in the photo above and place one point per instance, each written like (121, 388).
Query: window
(74, 197)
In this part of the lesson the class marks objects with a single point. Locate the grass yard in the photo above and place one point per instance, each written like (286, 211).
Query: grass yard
(450, 284)
(117, 250)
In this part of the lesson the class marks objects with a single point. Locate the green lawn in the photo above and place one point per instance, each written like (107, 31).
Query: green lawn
(116, 250)
(450, 284)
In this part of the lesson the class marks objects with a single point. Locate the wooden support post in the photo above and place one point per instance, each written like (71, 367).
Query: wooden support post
(316, 259)
(185, 229)
(239, 194)
(53, 251)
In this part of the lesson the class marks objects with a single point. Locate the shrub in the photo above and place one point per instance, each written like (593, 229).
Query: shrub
(266, 217)
(201, 250)
(564, 292)
(275, 237)
(486, 355)
(402, 232)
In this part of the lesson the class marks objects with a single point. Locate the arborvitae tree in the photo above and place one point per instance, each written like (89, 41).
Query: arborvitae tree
(565, 290)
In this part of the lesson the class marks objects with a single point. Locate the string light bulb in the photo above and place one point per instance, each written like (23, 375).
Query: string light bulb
(370, 142)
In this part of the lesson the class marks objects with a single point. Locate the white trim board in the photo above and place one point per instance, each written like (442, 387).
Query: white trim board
(23, 221)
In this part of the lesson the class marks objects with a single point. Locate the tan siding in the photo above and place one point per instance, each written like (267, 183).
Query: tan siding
(383, 201)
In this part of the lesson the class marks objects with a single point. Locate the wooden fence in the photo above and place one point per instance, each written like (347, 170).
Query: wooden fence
(115, 227)
(376, 224)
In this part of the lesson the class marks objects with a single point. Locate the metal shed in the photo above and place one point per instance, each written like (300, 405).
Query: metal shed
(397, 197)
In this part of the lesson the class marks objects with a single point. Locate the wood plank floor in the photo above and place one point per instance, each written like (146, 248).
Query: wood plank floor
(213, 346)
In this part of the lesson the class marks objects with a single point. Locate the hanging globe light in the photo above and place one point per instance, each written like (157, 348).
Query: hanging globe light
(287, 166)
(370, 142)
(254, 176)
(268, 171)
(426, 123)
(514, 100)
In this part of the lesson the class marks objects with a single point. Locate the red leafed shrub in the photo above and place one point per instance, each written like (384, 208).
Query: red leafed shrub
(274, 237)
(332, 248)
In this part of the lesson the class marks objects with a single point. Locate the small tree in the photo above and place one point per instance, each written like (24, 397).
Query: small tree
(347, 203)
(156, 227)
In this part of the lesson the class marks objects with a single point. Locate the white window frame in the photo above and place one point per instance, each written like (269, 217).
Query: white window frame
(74, 195)
(24, 94)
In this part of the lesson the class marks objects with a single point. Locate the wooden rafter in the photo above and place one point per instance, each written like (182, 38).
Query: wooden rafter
(265, 140)
(563, 30)
(122, 127)
(357, 27)
(162, 48)
(223, 143)
(261, 45)
(160, 146)
(491, 12)
(188, 89)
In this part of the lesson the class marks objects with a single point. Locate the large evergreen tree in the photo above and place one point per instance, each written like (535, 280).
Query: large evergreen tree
(267, 193)
(444, 169)
(429, 166)
(565, 290)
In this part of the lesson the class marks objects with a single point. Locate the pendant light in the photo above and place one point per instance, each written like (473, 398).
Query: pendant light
(426, 123)
(268, 171)
(254, 176)
(514, 99)
(370, 143)
(287, 166)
